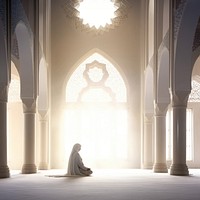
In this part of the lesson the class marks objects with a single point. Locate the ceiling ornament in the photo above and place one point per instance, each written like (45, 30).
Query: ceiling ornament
(71, 10)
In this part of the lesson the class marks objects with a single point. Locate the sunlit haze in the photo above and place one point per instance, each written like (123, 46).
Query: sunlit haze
(97, 12)
(96, 116)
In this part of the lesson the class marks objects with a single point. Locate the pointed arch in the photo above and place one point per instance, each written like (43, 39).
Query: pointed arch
(98, 120)
(25, 46)
(163, 95)
(107, 57)
(183, 47)
(100, 56)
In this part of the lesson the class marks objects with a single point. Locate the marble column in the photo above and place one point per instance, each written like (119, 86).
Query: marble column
(4, 170)
(43, 120)
(29, 107)
(160, 165)
(179, 106)
(148, 142)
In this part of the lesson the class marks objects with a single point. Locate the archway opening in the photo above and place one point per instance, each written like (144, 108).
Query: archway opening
(15, 135)
(96, 113)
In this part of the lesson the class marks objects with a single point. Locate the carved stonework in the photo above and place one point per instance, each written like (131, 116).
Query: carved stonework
(148, 117)
(29, 105)
(178, 13)
(3, 93)
(71, 11)
(161, 109)
(43, 115)
(180, 98)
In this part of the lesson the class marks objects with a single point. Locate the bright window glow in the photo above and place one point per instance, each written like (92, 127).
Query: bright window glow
(96, 115)
(97, 12)
(14, 89)
(195, 92)
(77, 81)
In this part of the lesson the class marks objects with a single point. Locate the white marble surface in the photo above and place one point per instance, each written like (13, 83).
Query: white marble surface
(102, 185)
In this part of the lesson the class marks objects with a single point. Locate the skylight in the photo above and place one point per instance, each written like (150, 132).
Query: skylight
(97, 13)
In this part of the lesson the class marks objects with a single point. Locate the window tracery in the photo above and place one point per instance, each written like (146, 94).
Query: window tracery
(96, 112)
(195, 92)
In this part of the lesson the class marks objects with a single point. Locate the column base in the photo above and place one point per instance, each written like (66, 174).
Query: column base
(43, 166)
(4, 172)
(160, 168)
(29, 169)
(179, 170)
(147, 165)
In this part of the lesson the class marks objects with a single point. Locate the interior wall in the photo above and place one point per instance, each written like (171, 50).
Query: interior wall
(69, 44)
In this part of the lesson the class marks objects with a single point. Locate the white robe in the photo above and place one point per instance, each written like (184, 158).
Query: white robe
(75, 164)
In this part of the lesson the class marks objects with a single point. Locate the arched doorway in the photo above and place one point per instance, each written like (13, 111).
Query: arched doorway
(96, 113)
(15, 122)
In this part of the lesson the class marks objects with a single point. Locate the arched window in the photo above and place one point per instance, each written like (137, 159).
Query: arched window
(96, 112)
(195, 92)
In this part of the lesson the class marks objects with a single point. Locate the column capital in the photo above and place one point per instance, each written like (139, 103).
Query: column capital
(180, 98)
(29, 105)
(43, 114)
(148, 117)
(3, 92)
(160, 108)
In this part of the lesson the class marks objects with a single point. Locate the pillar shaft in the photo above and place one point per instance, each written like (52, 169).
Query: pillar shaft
(179, 166)
(148, 142)
(160, 165)
(4, 170)
(43, 143)
(160, 144)
(29, 137)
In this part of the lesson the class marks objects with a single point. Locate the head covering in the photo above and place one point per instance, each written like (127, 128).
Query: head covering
(76, 148)
(75, 165)
(73, 160)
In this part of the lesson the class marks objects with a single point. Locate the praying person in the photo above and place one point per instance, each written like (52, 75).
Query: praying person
(75, 164)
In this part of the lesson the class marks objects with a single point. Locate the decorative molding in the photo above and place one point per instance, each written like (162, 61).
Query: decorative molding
(89, 67)
(178, 13)
(99, 83)
(29, 105)
(180, 98)
(160, 108)
(69, 7)
(195, 92)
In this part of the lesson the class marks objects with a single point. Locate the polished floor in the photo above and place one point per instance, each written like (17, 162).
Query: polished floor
(127, 184)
